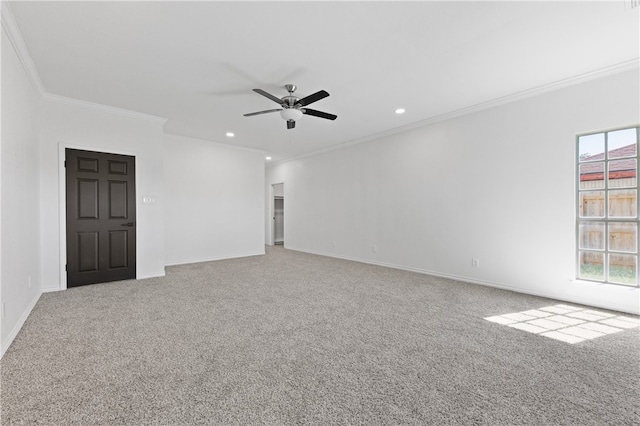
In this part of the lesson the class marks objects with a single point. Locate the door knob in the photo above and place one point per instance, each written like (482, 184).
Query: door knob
(128, 224)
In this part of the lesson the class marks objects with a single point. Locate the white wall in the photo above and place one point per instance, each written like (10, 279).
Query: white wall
(497, 185)
(65, 124)
(278, 190)
(20, 210)
(214, 201)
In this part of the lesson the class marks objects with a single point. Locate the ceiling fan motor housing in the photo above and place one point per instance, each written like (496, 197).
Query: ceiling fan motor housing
(289, 101)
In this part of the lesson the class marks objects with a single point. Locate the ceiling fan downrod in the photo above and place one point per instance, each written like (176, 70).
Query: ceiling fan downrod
(290, 101)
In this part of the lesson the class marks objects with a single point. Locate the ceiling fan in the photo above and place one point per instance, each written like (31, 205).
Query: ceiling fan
(293, 107)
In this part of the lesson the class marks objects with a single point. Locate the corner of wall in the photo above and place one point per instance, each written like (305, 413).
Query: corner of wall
(6, 341)
(12, 30)
(20, 264)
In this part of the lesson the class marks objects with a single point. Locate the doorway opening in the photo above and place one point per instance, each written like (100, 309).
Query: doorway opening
(278, 213)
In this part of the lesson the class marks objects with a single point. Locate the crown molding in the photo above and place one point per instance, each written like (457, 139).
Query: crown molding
(12, 30)
(524, 94)
(102, 108)
(571, 81)
(215, 142)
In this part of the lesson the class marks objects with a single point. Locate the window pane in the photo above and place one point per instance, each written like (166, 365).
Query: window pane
(591, 265)
(623, 203)
(592, 175)
(623, 236)
(623, 268)
(608, 240)
(592, 204)
(622, 173)
(591, 235)
(591, 147)
(622, 143)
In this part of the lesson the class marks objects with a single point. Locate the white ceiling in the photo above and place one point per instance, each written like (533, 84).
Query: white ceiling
(195, 63)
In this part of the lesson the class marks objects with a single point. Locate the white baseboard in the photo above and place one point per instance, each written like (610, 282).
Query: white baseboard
(144, 277)
(213, 259)
(631, 309)
(16, 329)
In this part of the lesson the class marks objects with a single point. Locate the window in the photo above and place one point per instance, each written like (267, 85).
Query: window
(607, 211)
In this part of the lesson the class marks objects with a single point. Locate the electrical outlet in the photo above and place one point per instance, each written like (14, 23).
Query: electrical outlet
(374, 248)
(475, 263)
(333, 243)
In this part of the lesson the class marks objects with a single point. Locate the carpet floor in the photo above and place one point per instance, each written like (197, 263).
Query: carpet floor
(293, 339)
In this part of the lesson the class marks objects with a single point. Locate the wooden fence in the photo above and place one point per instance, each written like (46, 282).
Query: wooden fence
(623, 203)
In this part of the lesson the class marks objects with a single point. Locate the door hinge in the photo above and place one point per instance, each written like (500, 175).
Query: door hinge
(65, 163)
(66, 267)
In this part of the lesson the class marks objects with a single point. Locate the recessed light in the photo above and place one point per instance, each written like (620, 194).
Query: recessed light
(400, 111)
(230, 134)
(267, 158)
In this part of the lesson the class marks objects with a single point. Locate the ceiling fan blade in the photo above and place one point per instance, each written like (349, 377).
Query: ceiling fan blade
(312, 98)
(262, 112)
(320, 114)
(291, 124)
(268, 95)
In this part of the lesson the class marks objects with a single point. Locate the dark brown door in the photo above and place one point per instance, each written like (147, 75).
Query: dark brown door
(101, 217)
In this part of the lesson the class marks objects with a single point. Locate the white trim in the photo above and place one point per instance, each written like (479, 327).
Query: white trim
(15, 37)
(144, 277)
(12, 29)
(103, 108)
(271, 231)
(631, 309)
(62, 224)
(270, 212)
(221, 144)
(62, 204)
(214, 259)
(18, 326)
(524, 94)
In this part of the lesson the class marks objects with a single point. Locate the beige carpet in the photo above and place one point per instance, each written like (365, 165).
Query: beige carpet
(291, 338)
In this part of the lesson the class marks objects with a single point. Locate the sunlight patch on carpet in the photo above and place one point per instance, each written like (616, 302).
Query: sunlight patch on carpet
(570, 324)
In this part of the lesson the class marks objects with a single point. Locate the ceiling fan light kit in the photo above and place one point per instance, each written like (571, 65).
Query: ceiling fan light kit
(291, 114)
(292, 107)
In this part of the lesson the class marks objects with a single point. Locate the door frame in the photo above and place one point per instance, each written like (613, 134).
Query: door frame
(62, 200)
(271, 212)
(276, 198)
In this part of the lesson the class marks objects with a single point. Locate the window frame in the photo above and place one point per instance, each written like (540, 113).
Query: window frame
(606, 219)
